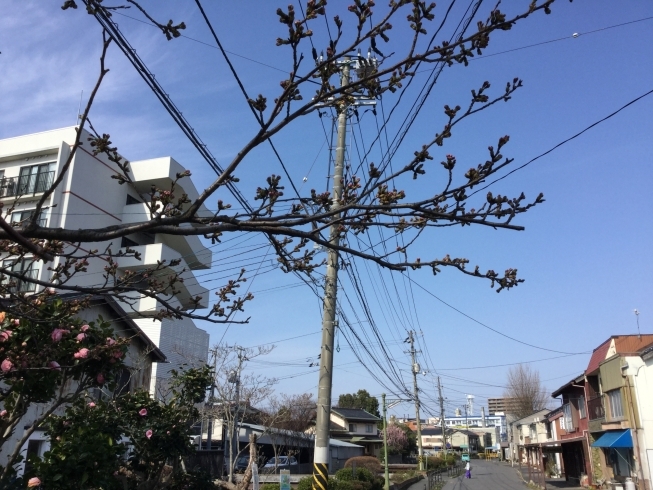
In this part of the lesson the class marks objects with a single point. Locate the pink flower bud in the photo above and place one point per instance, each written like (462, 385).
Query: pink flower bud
(16, 322)
(80, 337)
(84, 328)
(4, 335)
(142, 412)
(33, 482)
(57, 334)
(3, 413)
(6, 365)
(148, 433)
(117, 354)
(81, 353)
(110, 341)
(91, 404)
(54, 365)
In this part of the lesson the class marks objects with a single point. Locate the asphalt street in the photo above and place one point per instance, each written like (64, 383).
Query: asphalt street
(488, 475)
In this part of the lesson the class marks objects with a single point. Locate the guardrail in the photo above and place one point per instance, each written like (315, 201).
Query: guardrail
(436, 476)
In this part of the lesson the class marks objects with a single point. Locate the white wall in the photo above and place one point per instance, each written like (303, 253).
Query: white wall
(641, 373)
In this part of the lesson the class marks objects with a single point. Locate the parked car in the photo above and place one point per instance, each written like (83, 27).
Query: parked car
(464, 457)
(241, 464)
(281, 462)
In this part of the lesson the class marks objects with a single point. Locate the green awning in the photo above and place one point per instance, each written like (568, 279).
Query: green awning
(615, 438)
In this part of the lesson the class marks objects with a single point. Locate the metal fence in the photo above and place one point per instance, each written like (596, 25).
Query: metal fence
(436, 476)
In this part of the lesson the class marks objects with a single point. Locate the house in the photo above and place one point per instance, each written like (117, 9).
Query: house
(88, 197)
(357, 426)
(431, 439)
(570, 429)
(141, 356)
(464, 440)
(640, 369)
(526, 434)
(616, 432)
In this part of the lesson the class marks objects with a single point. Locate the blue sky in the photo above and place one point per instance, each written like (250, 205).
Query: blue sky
(585, 253)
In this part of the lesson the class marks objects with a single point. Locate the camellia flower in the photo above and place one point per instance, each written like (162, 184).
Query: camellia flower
(148, 433)
(80, 337)
(142, 412)
(54, 365)
(33, 482)
(110, 341)
(81, 353)
(16, 322)
(4, 335)
(57, 334)
(3, 413)
(100, 379)
(85, 328)
(6, 365)
(91, 404)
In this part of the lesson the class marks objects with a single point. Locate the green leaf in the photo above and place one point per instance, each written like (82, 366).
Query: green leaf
(84, 478)
(57, 477)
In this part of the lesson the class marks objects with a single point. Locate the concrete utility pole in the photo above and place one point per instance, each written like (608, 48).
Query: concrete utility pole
(416, 369)
(442, 422)
(234, 432)
(321, 457)
(386, 486)
(209, 430)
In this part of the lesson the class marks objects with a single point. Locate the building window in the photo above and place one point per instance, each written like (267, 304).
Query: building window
(567, 415)
(369, 428)
(132, 200)
(616, 409)
(35, 179)
(352, 427)
(18, 218)
(25, 269)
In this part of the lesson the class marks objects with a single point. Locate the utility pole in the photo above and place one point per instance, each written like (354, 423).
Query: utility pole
(386, 486)
(416, 369)
(442, 422)
(321, 456)
(234, 377)
(209, 430)
(329, 322)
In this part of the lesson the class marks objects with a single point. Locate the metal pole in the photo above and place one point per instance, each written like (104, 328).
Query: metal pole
(415, 369)
(209, 430)
(442, 422)
(385, 444)
(321, 457)
(235, 433)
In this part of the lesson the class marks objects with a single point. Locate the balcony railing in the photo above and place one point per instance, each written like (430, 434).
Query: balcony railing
(596, 408)
(26, 184)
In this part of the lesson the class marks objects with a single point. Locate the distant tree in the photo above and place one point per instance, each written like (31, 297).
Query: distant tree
(411, 436)
(397, 439)
(526, 391)
(292, 412)
(360, 399)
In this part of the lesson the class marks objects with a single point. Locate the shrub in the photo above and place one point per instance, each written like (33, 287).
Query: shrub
(362, 474)
(275, 486)
(368, 462)
(304, 484)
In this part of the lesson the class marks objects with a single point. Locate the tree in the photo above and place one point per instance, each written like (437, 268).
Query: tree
(397, 439)
(361, 399)
(375, 196)
(130, 441)
(525, 390)
(235, 394)
(291, 412)
(49, 359)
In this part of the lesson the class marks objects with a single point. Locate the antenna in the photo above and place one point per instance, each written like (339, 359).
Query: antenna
(79, 108)
(639, 334)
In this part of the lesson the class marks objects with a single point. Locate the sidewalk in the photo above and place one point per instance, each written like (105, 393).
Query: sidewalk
(550, 482)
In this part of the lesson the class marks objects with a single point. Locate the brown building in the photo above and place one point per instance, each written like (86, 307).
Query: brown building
(503, 405)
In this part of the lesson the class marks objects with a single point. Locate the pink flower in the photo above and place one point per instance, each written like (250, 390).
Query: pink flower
(33, 482)
(100, 379)
(50, 290)
(54, 365)
(110, 341)
(148, 433)
(81, 353)
(80, 337)
(91, 404)
(168, 432)
(3, 413)
(57, 334)
(117, 354)
(16, 322)
(84, 328)
(142, 412)
(4, 335)
(6, 365)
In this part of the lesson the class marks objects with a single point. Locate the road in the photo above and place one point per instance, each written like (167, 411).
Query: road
(488, 475)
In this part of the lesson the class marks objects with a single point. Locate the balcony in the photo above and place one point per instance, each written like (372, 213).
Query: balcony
(196, 255)
(151, 256)
(596, 408)
(26, 185)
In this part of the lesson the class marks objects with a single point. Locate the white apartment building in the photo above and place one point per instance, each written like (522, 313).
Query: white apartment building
(89, 198)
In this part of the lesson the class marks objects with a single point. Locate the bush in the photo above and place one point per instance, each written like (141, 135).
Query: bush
(362, 474)
(368, 462)
(275, 486)
(304, 484)
(363, 480)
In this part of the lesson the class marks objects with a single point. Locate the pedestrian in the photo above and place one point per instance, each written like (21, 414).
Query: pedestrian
(468, 470)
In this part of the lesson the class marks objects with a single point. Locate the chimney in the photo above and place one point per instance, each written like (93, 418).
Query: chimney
(483, 417)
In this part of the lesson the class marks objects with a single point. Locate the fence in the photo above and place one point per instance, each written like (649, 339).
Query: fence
(436, 476)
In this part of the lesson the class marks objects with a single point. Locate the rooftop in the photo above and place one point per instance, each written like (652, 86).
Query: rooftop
(355, 414)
